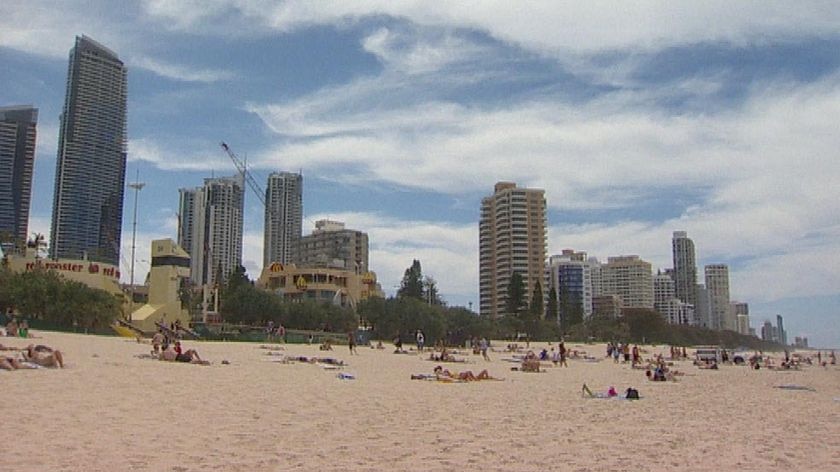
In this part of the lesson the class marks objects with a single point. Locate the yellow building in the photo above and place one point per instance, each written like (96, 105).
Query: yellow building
(341, 287)
(170, 265)
(93, 274)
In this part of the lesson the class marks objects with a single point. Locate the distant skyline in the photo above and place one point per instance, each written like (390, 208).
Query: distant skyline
(636, 119)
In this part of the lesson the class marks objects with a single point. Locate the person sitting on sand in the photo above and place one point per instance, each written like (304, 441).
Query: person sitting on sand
(379, 345)
(157, 342)
(325, 346)
(170, 354)
(44, 356)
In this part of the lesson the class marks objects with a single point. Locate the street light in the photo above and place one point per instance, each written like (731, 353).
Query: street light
(137, 186)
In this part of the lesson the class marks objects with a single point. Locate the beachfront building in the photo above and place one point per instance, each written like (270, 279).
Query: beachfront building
(90, 168)
(665, 302)
(334, 246)
(337, 286)
(703, 309)
(717, 283)
(685, 268)
(630, 278)
(210, 228)
(769, 332)
(569, 274)
(170, 266)
(742, 317)
(283, 217)
(512, 239)
(97, 275)
(17, 158)
(800, 342)
(606, 307)
(780, 326)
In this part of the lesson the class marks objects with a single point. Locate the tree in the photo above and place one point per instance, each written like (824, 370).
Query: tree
(412, 282)
(536, 306)
(551, 306)
(516, 295)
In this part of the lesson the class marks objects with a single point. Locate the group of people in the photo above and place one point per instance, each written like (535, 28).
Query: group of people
(619, 350)
(15, 329)
(31, 357)
(165, 349)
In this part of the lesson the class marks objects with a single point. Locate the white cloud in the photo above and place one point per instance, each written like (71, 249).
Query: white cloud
(548, 27)
(181, 73)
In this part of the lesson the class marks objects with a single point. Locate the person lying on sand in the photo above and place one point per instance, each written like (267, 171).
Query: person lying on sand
(316, 360)
(44, 356)
(466, 376)
(11, 363)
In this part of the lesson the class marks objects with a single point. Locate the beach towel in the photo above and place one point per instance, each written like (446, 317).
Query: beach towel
(346, 376)
(796, 387)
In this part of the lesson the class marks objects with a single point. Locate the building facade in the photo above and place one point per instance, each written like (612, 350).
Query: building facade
(742, 317)
(211, 226)
(685, 268)
(780, 325)
(630, 278)
(332, 245)
(283, 217)
(717, 283)
(337, 286)
(512, 239)
(569, 274)
(90, 168)
(17, 158)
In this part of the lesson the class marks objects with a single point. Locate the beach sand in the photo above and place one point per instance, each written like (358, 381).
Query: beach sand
(109, 410)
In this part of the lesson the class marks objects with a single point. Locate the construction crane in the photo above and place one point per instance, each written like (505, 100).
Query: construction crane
(240, 165)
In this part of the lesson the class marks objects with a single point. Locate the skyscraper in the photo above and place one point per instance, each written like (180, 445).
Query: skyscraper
(685, 268)
(211, 228)
(570, 275)
(17, 156)
(717, 283)
(283, 217)
(90, 169)
(780, 325)
(512, 239)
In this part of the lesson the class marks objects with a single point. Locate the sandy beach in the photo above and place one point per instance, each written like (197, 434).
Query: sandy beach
(109, 410)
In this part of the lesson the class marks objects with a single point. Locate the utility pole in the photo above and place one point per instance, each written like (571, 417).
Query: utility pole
(137, 186)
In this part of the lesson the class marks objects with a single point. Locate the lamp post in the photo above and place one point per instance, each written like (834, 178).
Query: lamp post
(137, 187)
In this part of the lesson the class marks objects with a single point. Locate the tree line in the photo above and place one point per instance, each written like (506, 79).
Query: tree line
(47, 299)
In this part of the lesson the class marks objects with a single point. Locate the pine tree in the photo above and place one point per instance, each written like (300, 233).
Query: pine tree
(412, 282)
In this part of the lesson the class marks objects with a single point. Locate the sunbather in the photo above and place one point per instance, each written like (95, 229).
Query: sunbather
(44, 356)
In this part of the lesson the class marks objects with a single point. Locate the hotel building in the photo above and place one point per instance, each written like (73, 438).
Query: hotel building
(512, 239)
(17, 157)
(283, 217)
(90, 168)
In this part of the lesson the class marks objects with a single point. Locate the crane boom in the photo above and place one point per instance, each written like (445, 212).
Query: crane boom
(240, 165)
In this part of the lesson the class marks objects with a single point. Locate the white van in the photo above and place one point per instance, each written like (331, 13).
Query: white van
(708, 354)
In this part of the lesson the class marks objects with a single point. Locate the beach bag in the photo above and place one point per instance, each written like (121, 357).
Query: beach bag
(632, 394)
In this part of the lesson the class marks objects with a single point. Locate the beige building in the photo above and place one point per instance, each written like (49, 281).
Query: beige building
(334, 246)
(512, 239)
(630, 278)
(717, 283)
(93, 274)
(340, 287)
(170, 266)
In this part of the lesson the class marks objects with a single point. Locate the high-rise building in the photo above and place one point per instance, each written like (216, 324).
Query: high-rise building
(569, 274)
(703, 309)
(685, 268)
(630, 278)
(780, 325)
(742, 317)
(211, 226)
(90, 169)
(512, 239)
(717, 283)
(283, 217)
(331, 245)
(17, 157)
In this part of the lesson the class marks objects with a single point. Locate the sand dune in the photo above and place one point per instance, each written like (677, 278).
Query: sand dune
(109, 410)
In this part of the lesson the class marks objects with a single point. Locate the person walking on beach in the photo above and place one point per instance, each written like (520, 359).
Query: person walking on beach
(351, 342)
(421, 340)
(483, 346)
(562, 349)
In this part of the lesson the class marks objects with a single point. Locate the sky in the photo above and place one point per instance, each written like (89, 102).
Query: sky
(637, 119)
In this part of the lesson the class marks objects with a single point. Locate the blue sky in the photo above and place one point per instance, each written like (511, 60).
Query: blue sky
(637, 118)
